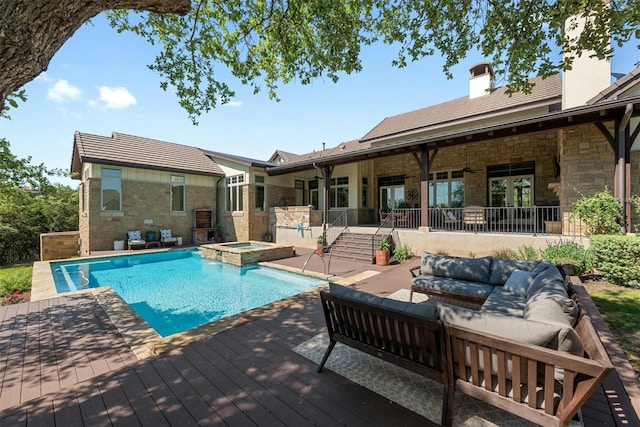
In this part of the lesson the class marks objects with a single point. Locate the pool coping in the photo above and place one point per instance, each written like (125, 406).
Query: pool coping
(143, 340)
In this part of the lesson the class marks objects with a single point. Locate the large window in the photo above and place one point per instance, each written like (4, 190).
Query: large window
(177, 193)
(299, 184)
(234, 185)
(340, 192)
(365, 192)
(446, 189)
(261, 194)
(314, 194)
(111, 189)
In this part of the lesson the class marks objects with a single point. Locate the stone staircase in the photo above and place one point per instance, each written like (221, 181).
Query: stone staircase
(353, 247)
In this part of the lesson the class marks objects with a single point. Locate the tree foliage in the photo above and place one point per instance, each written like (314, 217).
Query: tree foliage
(29, 205)
(271, 42)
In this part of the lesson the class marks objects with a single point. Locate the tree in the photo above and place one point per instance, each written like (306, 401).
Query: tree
(272, 42)
(30, 205)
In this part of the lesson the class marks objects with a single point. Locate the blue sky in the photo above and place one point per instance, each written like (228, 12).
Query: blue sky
(99, 83)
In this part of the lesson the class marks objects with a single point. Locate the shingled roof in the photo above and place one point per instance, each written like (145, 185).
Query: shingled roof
(133, 151)
(545, 92)
(618, 88)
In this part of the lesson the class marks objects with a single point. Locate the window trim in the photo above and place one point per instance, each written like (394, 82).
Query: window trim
(184, 192)
(114, 179)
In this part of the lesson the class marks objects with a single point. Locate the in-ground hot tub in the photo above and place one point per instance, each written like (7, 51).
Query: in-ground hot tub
(249, 252)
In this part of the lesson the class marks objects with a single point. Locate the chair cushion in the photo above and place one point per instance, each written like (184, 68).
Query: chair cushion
(452, 286)
(134, 235)
(518, 282)
(165, 233)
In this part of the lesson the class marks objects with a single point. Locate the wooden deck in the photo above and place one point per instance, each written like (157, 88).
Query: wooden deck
(62, 362)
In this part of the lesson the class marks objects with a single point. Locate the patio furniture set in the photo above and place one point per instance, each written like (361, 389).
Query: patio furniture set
(136, 240)
(514, 334)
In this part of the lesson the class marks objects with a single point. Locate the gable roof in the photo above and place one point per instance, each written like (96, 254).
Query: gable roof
(238, 159)
(618, 88)
(133, 151)
(545, 92)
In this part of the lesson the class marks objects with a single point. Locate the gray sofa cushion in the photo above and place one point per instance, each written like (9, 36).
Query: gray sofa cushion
(517, 329)
(469, 269)
(502, 268)
(504, 303)
(549, 284)
(550, 312)
(453, 286)
(518, 282)
(424, 310)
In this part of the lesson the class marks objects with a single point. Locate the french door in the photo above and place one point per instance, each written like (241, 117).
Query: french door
(512, 191)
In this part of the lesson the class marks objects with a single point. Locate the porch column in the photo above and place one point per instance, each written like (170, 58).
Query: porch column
(424, 162)
(326, 176)
(622, 188)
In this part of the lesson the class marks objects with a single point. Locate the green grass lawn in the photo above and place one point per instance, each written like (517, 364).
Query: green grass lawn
(15, 283)
(620, 308)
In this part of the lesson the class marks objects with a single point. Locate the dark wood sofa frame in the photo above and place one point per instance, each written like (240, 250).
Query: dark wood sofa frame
(457, 358)
(414, 343)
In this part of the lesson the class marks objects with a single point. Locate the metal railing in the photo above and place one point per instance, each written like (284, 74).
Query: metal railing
(337, 226)
(481, 219)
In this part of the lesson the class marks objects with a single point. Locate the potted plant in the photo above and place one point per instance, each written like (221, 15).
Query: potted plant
(383, 252)
(321, 243)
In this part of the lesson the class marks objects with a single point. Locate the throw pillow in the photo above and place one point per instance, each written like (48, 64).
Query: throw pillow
(134, 235)
(165, 233)
(518, 282)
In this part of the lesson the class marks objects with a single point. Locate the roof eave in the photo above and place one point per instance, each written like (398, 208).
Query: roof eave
(148, 167)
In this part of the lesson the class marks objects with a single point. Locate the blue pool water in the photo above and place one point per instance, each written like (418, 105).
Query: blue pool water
(178, 290)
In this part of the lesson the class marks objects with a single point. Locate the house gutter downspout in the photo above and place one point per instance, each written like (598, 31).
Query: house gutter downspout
(622, 164)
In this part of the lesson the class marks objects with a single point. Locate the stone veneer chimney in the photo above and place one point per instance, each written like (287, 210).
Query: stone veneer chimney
(588, 76)
(481, 82)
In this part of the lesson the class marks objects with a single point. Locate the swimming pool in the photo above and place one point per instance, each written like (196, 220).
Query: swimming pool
(178, 290)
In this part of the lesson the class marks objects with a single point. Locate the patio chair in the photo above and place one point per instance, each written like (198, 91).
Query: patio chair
(450, 220)
(134, 239)
(473, 217)
(167, 237)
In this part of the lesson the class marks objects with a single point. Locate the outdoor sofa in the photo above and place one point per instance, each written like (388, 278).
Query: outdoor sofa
(528, 347)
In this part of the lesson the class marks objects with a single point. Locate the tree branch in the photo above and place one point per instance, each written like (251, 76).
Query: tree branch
(32, 32)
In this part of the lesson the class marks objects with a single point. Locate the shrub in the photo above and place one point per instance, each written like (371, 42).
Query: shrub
(402, 253)
(569, 252)
(602, 213)
(616, 259)
(523, 252)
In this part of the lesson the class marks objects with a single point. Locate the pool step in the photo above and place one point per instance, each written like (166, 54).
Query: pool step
(353, 247)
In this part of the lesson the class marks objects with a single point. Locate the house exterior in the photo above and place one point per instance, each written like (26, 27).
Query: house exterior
(523, 159)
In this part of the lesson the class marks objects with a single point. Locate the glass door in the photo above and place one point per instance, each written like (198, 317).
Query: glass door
(515, 191)
(390, 196)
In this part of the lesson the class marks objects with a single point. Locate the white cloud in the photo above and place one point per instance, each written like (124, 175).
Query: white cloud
(43, 76)
(234, 104)
(62, 91)
(116, 98)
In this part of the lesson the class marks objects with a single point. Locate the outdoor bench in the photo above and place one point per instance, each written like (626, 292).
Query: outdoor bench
(543, 382)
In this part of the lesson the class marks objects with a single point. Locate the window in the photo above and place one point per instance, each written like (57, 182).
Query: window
(299, 185)
(234, 186)
(314, 194)
(340, 192)
(447, 189)
(177, 193)
(111, 189)
(365, 192)
(260, 194)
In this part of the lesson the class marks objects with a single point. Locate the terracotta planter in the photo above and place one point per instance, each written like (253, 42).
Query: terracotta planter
(320, 249)
(382, 257)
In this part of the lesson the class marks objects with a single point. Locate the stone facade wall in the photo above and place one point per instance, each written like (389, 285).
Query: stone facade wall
(59, 245)
(587, 163)
(141, 201)
(538, 147)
